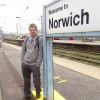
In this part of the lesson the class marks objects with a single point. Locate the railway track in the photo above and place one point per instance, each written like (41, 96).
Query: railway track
(85, 56)
(85, 53)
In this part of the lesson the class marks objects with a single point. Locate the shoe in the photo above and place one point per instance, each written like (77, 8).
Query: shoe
(38, 95)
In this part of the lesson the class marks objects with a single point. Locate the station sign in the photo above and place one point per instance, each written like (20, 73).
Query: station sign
(73, 16)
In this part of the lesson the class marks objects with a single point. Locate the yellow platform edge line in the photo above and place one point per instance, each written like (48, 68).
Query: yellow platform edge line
(57, 77)
(62, 81)
(56, 95)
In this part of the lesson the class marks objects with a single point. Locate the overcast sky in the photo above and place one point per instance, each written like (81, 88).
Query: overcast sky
(29, 11)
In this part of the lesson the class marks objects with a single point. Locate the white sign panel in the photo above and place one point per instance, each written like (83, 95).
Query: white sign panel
(73, 16)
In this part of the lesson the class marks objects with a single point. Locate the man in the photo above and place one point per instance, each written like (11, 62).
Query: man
(31, 57)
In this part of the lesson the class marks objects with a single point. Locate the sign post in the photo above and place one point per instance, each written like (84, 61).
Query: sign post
(48, 64)
(61, 17)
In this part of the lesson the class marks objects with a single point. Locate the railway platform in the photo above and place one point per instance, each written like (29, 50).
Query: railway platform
(9, 89)
(72, 80)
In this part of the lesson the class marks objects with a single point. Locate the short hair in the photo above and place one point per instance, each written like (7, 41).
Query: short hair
(33, 26)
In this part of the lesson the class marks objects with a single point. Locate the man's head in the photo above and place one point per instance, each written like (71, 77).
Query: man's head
(33, 30)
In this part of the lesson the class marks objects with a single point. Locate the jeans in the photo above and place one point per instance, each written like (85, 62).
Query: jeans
(26, 71)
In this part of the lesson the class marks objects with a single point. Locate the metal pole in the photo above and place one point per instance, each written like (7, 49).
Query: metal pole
(44, 55)
(17, 28)
(50, 90)
(47, 62)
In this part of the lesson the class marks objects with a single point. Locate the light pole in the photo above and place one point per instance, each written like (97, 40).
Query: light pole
(23, 19)
(19, 24)
(17, 28)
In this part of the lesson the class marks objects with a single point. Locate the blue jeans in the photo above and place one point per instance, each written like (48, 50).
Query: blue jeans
(26, 71)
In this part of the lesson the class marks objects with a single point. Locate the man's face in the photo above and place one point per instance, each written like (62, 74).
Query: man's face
(33, 31)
